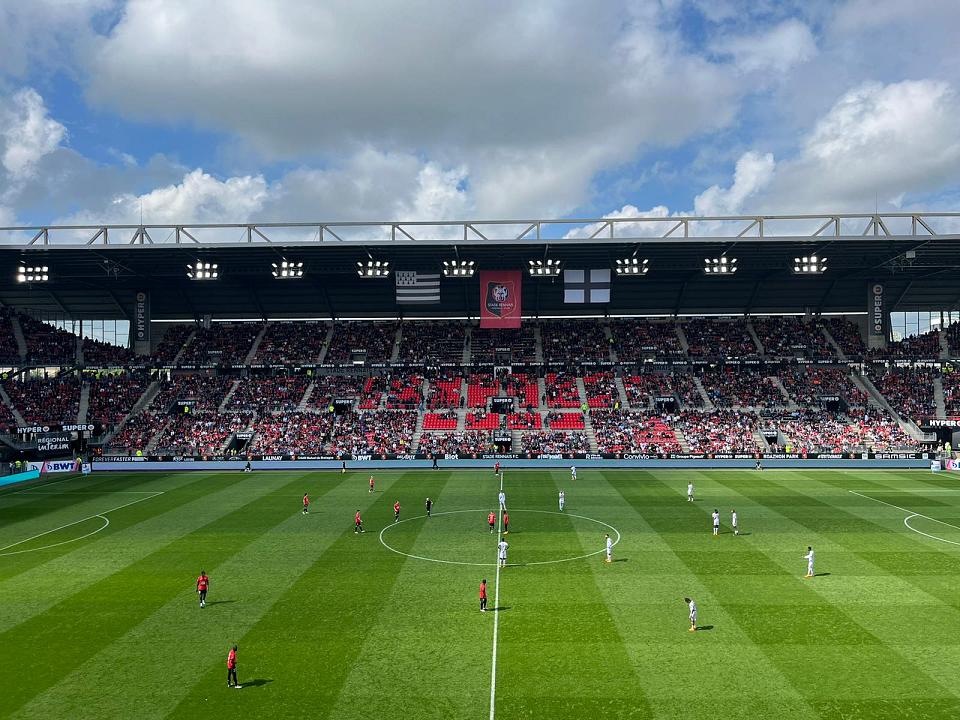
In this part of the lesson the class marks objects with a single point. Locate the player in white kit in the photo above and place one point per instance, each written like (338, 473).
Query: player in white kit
(561, 500)
(689, 492)
(693, 613)
(502, 552)
(735, 522)
(502, 497)
(573, 472)
(809, 558)
(609, 548)
(716, 521)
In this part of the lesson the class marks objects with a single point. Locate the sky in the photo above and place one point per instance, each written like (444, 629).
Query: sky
(281, 110)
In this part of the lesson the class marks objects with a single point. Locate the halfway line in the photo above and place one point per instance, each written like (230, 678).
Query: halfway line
(496, 607)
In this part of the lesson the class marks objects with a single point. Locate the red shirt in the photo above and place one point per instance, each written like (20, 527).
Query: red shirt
(483, 589)
(357, 519)
(506, 519)
(396, 507)
(306, 501)
(491, 518)
(232, 659)
(202, 582)
(496, 468)
(371, 482)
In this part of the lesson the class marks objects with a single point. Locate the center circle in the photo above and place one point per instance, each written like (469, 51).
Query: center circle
(482, 515)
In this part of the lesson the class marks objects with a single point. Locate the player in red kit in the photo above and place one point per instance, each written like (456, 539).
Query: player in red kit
(396, 511)
(306, 504)
(483, 595)
(492, 520)
(371, 483)
(203, 582)
(357, 523)
(506, 523)
(232, 668)
(496, 468)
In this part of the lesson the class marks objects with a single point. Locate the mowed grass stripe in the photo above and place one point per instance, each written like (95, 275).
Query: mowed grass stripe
(719, 672)
(36, 582)
(429, 647)
(180, 642)
(826, 636)
(303, 648)
(560, 652)
(80, 625)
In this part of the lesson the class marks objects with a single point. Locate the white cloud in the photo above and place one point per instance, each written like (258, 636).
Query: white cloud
(753, 173)
(637, 229)
(775, 50)
(27, 132)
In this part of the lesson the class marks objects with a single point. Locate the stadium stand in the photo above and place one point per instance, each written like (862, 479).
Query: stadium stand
(635, 340)
(719, 338)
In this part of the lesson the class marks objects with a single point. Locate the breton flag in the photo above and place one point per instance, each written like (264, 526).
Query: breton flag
(416, 287)
(586, 286)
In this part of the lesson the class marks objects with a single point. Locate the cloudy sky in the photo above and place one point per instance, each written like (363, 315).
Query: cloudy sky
(273, 110)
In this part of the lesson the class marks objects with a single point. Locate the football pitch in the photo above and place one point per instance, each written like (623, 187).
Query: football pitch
(99, 617)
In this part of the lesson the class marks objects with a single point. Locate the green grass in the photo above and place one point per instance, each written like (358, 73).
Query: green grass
(331, 624)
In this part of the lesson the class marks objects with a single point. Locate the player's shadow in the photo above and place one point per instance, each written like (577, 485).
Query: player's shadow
(259, 682)
(620, 560)
(502, 608)
(220, 602)
(702, 628)
(821, 574)
(745, 534)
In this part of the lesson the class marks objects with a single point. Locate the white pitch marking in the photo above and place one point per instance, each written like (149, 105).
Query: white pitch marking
(483, 511)
(496, 612)
(75, 522)
(910, 515)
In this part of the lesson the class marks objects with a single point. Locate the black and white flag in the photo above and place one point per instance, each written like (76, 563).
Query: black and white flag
(586, 286)
(416, 287)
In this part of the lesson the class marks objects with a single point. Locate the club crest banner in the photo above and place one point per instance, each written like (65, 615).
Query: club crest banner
(500, 298)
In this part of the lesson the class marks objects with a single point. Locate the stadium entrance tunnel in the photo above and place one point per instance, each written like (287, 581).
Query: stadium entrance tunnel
(463, 537)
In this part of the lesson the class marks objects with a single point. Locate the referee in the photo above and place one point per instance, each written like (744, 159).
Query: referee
(428, 504)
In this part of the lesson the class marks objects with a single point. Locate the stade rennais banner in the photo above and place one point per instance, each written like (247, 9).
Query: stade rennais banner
(500, 298)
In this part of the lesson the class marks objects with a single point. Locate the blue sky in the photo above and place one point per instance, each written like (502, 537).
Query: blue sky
(269, 111)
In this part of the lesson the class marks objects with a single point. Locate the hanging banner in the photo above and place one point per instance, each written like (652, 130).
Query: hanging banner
(876, 316)
(500, 298)
(141, 318)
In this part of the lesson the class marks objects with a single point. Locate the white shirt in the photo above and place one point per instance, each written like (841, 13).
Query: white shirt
(693, 608)
(503, 498)
(809, 557)
(716, 518)
(573, 470)
(561, 496)
(690, 489)
(502, 546)
(609, 544)
(733, 518)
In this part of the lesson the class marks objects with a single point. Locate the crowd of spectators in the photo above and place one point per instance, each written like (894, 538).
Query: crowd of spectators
(292, 433)
(561, 391)
(951, 392)
(565, 421)
(103, 354)
(327, 388)
(9, 350)
(112, 397)
(523, 387)
(291, 343)
(46, 400)
(370, 341)
(619, 431)
(441, 420)
(914, 347)
(847, 336)
(953, 338)
(643, 388)
(570, 342)
(601, 390)
(202, 391)
(405, 392)
(172, 342)
(717, 431)
(815, 431)
(480, 387)
(376, 432)
(481, 420)
(524, 421)
(221, 344)
(719, 338)
(469, 442)
(445, 392)
(806, 385)
(737, 386)
(554, 442)
(200, 433)
(521, 341)
(432, 342)
(908, 390)
(269, 394)
(791, 337)
(637, 339)
(137, 432)
(46, 344)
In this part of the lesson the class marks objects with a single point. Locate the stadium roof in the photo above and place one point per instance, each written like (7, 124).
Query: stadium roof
(95, 272)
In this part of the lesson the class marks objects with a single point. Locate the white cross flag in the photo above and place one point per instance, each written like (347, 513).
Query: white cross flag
(416, 287)
(586, 286)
